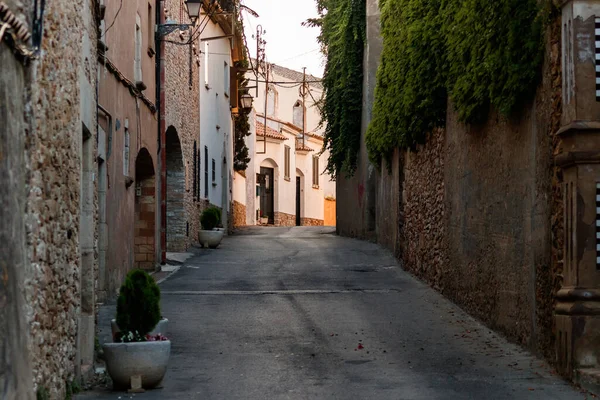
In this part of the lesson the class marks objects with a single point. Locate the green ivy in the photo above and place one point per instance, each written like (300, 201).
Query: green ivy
(241, 123)
(343, 24)
(481, 54)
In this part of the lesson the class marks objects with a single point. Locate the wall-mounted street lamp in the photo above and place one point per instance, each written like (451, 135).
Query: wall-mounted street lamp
(246, 101)
(193, 10)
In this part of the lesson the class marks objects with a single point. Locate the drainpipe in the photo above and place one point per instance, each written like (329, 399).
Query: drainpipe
(160, 98)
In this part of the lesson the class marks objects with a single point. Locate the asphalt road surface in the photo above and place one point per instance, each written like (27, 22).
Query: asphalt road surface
(299, 313)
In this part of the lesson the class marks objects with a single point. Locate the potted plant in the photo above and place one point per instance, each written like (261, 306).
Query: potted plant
(210, 235)
(138, 357)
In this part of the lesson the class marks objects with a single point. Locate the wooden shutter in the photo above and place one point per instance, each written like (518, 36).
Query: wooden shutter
(233, 88)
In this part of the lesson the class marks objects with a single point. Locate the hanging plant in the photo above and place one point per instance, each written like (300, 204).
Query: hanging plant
(342, 39)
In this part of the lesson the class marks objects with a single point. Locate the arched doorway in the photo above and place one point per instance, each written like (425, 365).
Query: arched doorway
(268, 191)
(299, 196)
(176, 222)
(145, 211)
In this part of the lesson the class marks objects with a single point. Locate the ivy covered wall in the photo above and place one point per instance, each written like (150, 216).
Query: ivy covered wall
(342, 38)
(480, 54)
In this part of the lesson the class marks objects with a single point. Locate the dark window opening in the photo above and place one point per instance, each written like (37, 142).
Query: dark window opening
(195, 185)
(206, 172)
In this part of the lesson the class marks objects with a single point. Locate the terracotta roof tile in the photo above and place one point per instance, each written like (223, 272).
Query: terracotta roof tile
(300, 147)
(271, 133)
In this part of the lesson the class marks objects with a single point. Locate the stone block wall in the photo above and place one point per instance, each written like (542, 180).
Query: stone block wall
(60, 149)
(182, 112)
(176, 191)
(283, 219)
(476, 212)
(15, 363)
(239, 214)
(310, 222)
(145, 221)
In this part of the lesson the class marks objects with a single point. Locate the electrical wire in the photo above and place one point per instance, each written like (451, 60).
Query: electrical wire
(115, 19)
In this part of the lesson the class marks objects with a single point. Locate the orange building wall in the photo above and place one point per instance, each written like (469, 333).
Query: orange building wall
(329, 212)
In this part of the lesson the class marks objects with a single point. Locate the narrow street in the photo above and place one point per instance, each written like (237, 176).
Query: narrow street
(299, 313)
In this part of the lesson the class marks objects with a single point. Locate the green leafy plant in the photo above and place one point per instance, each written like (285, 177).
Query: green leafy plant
(73, 388)
(210, 218)
(241, 157)
(342, 39)
(42, 394)
(480, 54)
(138, 306)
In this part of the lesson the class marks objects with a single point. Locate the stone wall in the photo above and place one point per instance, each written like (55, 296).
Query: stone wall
(182, 112)
(424, 237)
(239, 214)
(15, 365)
(310, 222)
(145, 225)
(284, 219)
(473, 212)
(60, 152)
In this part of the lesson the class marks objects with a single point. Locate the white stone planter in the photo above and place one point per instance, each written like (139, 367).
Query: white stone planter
(210, 239)
(161, 328)
(146, 359)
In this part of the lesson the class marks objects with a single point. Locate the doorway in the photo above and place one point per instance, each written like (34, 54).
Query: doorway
(267, 194)
(298, 187)
(145, 211)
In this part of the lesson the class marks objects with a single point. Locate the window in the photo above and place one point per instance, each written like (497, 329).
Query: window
(206, 64)
(205, 172)
(287, 162)
(298, 114)
(187, 176)
(150, 29)
(126, 154)
(315, 171)
(272, 99)
(195, 184)
(226, 79)
(214, 171)
(137, 62)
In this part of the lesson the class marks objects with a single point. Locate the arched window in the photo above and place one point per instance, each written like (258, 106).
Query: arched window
(298, 115)
(272, 100)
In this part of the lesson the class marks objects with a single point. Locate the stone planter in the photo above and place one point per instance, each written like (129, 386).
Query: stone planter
(148, 360)
(210, 239)
(161, 328)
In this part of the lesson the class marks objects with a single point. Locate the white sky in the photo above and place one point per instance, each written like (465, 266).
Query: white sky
(289, 44)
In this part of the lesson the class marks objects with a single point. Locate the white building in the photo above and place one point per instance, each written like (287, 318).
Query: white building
(218, 54)
(285, 183)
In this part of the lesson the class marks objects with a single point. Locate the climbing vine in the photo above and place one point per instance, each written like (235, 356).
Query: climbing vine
(480, 54)
(343, 24)
(241, 123)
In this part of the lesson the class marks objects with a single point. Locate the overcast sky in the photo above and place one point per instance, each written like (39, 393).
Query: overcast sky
(289, 44)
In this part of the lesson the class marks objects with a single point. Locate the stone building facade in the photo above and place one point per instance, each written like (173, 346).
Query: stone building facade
(52, 168)
(179, 127)
(128, 121)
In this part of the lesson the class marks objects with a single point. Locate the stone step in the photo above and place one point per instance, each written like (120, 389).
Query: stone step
(589, 379)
